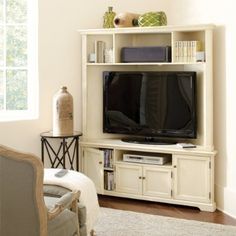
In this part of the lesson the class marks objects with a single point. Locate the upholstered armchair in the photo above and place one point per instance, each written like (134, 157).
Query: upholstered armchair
(23, 209)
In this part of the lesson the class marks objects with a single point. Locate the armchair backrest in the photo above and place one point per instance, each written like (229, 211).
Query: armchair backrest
(22, 208)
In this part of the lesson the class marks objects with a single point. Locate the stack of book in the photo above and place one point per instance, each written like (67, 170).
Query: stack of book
(99, 47)
(109, 180)
(108, 158)
(187, 51)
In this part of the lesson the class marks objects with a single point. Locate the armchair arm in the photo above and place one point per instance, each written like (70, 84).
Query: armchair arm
(68, 200)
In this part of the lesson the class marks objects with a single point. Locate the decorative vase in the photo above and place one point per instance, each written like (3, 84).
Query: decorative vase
(63, 112)
(152, 19)
(126, 19)
(108, 55)
(108, 18)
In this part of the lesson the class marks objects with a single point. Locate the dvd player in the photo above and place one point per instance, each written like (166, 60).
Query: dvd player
(156, 160)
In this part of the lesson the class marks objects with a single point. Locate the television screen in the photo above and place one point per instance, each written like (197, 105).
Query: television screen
(151, 104)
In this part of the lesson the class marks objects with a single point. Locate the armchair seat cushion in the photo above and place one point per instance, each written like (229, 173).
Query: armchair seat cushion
(54, 190)
(64, 224)
(58, 191)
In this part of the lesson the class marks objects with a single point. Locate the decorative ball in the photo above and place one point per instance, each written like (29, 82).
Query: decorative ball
(152, 19)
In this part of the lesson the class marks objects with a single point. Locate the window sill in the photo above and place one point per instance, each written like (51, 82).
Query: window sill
(10, 116)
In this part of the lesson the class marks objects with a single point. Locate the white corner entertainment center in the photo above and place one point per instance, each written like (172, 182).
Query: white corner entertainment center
(188, 176)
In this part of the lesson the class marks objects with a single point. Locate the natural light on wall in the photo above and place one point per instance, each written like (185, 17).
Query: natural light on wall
(18, 60)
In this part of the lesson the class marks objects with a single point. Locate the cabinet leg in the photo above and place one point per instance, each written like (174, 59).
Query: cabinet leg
(210, 207)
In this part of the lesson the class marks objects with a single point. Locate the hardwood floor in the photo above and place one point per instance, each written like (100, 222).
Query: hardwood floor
(162, 209)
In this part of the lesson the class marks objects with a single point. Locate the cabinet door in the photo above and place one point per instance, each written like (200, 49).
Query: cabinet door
(93, 160)
(192, 178)
(129, 179)
(157, 182)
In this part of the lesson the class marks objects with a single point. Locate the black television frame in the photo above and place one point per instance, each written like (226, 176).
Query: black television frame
(152, 137)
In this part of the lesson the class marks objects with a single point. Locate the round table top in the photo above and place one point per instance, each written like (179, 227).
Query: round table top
(49, 134)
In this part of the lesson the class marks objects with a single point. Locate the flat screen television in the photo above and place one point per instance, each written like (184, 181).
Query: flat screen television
(150, 105)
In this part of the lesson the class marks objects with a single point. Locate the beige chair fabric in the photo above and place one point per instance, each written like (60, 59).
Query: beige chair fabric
(57, 192)
(22, 206)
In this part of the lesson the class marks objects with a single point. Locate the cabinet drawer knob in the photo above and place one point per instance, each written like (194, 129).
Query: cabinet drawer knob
(144, 177)
(175, 166)
(140, 177)
(100, 162)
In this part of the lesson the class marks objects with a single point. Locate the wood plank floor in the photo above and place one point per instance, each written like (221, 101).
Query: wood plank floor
(162, 209)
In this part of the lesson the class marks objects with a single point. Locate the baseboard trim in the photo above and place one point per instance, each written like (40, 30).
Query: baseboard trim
(225, 212)
(225, 200)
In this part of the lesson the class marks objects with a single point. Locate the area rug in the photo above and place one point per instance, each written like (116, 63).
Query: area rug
(113, 222)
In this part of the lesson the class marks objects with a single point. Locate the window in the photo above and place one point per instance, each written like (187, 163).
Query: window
(18, 60)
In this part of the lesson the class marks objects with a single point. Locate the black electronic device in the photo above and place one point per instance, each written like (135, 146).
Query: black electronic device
(146, 54)
(61, 173)
(150, 104)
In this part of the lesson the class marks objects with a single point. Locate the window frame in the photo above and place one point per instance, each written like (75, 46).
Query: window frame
(32, 66)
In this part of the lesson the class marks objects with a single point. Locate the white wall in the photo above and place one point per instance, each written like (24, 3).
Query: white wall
(59, 64)
(222, 14)
(59, 61)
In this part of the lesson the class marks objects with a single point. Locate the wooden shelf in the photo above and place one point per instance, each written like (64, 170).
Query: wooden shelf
(146, 64)
(118, 144)
(143, 30)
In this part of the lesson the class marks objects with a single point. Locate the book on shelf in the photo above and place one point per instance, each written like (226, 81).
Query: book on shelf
(186, 51)
(99, 49)
(109, 183)
(108, 158)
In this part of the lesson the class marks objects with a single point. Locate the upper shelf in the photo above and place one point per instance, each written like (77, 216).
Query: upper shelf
(160, 29)
(146, 64)
(188, 45)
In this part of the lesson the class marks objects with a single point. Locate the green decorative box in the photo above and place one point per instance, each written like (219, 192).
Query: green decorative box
(152, 19)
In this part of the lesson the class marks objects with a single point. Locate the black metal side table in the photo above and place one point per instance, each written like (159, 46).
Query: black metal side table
(67, 150)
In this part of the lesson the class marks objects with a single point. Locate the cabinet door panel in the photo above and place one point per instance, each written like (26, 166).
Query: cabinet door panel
(157, 182)
(129, 179)
(192, 178)
(93, 161)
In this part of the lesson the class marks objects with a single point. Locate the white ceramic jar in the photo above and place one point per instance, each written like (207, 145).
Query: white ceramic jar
(63, 112)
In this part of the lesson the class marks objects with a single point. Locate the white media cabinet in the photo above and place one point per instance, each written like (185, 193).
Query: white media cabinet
(188, 179)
